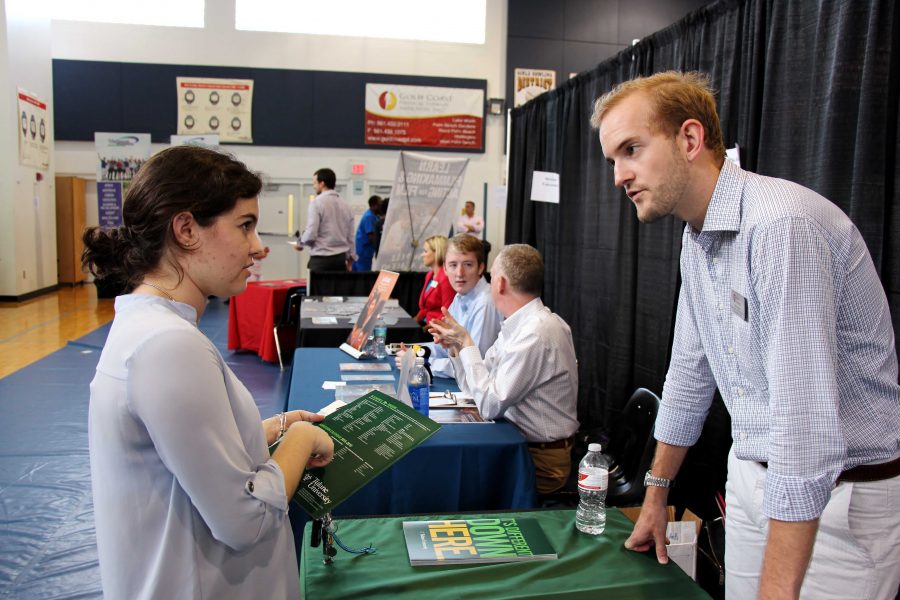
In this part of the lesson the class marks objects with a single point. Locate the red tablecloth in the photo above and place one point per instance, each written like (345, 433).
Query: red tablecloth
(252, 316)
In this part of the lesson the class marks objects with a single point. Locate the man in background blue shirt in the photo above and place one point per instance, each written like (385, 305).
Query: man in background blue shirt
(780, 308)
(366, 234)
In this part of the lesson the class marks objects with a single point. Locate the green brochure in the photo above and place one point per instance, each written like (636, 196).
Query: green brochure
(487, 540)
(370, 434)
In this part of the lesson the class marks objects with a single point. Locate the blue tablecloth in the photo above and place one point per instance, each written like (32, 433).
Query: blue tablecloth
(463, 467)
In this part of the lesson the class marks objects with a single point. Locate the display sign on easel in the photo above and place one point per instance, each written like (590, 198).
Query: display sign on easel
(370, 313)
(423, 202)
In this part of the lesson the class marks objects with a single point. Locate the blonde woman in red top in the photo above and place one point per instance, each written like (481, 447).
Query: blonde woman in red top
(437, 292)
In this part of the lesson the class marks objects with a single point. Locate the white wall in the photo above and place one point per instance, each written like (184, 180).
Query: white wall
(7, 160)
(220, 44)
(27, 207)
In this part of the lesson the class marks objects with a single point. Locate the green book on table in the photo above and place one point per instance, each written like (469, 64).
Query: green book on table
(370, 434)
(486, 540)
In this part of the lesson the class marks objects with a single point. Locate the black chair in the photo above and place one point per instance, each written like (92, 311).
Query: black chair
(629, 447)
(290, 317)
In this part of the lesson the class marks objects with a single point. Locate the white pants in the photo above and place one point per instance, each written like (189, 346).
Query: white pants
(857, 549)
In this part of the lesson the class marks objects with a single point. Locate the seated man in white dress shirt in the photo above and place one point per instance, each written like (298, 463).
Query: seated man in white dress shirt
(530, 375)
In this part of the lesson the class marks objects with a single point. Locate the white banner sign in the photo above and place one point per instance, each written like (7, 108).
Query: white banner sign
(423, 202)
(424, 117)
(34, 131)
(220, 106)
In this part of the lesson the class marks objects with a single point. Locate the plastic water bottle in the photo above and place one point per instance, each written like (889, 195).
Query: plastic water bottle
(380, 333)
(593, 480)
(419, 387)
(369, 347)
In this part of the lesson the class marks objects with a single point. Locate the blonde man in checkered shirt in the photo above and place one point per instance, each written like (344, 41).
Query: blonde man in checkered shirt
(782, 310)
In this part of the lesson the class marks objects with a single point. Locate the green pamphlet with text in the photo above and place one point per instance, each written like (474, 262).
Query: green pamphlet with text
(487, 540)
(370, 434)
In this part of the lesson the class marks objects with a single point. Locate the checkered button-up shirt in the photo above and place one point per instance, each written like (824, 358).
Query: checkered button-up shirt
(782, 309)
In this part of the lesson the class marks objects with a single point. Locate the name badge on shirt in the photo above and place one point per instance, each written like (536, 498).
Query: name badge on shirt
(739, 305)
(433, 284)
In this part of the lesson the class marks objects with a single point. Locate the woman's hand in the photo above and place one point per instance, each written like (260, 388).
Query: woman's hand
(323, 446)
(294, 416)
(304, 446)
(272, 425)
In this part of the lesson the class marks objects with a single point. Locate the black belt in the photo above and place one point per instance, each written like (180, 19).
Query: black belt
(877, 472)
(555, 444)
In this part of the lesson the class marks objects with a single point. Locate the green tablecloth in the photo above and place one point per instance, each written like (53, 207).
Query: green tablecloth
(588, 567)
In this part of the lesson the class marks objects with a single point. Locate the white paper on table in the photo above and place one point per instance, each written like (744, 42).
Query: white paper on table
(406, 367)
(327, 410)
(367, 377)
(365, 366)
(330, 385)
(336, 299)
(324, 320)
(354, 392)
(545, 186)
(345, 347)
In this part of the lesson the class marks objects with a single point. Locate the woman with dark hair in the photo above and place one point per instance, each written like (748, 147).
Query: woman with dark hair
(188, 501)
(437, 291)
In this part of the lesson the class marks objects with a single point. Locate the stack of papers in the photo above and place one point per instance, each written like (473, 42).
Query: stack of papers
(454, 407)
(324, 320)
(464, 415)
(368, 377)
(349, 393)
(365, 366)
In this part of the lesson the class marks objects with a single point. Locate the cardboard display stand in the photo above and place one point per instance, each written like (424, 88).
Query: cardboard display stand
(682, 536)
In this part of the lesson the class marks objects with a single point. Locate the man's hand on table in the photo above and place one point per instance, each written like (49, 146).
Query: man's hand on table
(650, 529)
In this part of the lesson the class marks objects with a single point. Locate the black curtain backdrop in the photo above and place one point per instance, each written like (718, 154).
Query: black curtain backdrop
(808, 89)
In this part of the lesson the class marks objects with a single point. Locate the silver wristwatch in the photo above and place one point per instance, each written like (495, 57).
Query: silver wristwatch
(650, 479)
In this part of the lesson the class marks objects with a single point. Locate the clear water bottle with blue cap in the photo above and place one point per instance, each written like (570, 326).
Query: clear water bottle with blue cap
(380, 333)
(419, 386)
